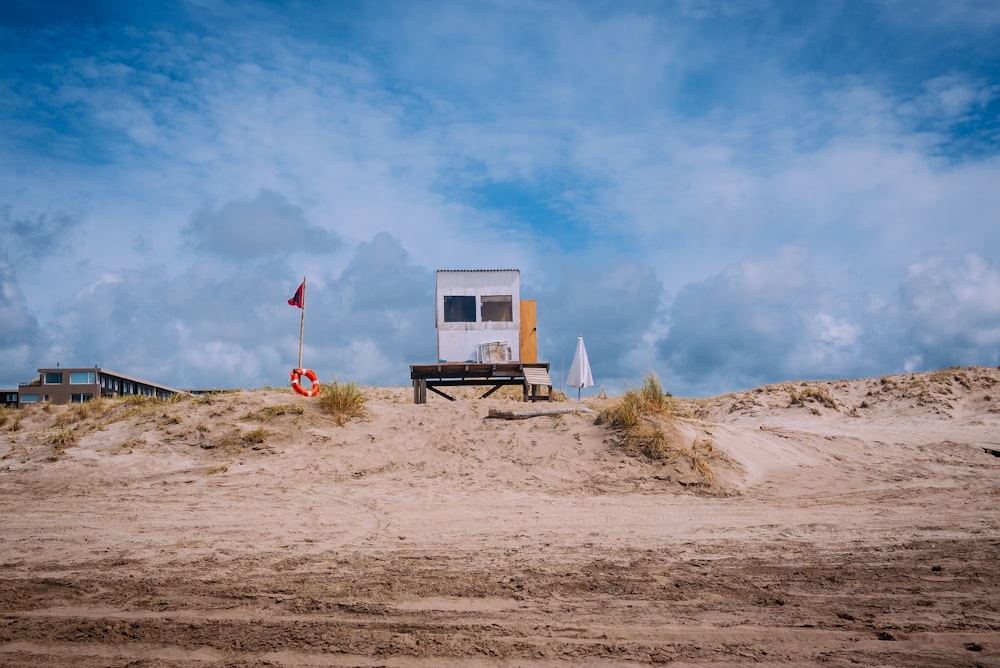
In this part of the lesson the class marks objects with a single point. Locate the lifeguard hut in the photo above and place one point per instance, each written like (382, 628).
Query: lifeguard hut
(486, 335)
(478, 315)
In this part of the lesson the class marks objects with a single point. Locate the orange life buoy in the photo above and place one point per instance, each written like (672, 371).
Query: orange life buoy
(308, 373)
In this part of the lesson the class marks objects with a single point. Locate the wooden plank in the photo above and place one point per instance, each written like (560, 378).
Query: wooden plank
(467, 382)
(524, 415)
(537, 377)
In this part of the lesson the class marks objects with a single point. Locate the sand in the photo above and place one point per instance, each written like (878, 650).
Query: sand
(845, 523)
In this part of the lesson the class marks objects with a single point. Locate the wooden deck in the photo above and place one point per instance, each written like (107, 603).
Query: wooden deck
(532, 376)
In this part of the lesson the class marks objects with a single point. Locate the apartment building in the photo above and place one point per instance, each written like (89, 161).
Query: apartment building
(77, 385)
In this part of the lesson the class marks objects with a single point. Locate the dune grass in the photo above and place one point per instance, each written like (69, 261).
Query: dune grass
(645, 420)
(269, 413)
(818, 394)
(342, 401)
(637, 403)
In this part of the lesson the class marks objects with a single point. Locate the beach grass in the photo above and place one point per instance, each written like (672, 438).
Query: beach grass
(342, 401)
(645, 419)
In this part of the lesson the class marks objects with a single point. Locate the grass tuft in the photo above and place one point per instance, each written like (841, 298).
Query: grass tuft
(808, 393)
(270, 412)
(644, 418)
(635, 404)
(258, 435)
(130, 444)
(61, 440)
(342, 401)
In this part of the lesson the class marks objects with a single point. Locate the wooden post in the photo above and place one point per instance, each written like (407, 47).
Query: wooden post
(302, 321)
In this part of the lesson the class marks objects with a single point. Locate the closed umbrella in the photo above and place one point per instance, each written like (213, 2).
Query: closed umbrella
(579, 371)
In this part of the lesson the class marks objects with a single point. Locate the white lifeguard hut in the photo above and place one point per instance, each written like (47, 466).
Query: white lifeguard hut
(478, 315)
(487, 335)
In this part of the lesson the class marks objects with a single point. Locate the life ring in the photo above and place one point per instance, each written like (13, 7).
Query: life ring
(311, 375)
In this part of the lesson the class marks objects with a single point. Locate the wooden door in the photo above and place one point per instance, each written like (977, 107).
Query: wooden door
(529, 331)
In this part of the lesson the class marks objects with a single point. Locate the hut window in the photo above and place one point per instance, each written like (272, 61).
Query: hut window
(459, 308)
(498, 308)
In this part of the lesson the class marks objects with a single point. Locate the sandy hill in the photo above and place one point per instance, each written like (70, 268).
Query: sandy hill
(843, 521)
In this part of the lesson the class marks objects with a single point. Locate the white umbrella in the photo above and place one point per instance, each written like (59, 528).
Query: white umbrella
(579, 371)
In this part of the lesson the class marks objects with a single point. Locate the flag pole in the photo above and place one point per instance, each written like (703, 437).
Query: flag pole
(302, 321)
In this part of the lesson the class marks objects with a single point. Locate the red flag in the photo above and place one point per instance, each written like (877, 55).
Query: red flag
(297, 299)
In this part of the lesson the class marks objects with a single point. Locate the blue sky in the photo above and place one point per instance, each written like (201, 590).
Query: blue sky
(725, 193)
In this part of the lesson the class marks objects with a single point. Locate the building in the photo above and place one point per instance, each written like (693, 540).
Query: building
(481, 318)
(8, 398)
(65, 386)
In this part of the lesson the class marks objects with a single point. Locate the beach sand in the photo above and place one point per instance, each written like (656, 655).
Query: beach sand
(846, 523)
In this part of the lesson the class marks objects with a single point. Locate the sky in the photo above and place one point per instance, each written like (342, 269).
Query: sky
(724, 193)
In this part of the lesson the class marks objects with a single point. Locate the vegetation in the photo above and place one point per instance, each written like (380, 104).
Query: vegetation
(255, 436)
(235, 440)
(60, 441)
(635, 404)
(342, 401)
(808, 393)
(645, 419)
(130, 444)
(271, 412)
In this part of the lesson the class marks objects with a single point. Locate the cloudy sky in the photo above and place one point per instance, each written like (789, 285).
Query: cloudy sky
(727, 193)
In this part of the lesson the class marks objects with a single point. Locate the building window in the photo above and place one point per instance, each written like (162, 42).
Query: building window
(497, 308)
(80, 398)
(29, 398)
(53, 377)
(459, 308)
(82, 378)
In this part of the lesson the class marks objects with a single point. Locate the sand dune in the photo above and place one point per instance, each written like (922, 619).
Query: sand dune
(845, 523)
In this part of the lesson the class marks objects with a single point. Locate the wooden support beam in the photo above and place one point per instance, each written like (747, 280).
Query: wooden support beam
(492, 390)
(437, 391)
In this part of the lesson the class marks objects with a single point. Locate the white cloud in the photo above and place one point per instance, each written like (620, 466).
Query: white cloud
(953, 309)
(762, 322)
(267, 225)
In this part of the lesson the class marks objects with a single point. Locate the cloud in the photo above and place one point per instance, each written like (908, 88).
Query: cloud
(381, 309)
(265, 226)
(36, 236)
(613, 305)
(743, 326)
(762, 322)
(227, 324)
(17, 325)
(952, 97)
(28, 241)
(21, 336)
(952, 310)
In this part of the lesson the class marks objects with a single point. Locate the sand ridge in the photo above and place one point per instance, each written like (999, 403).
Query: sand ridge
(848, 522)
